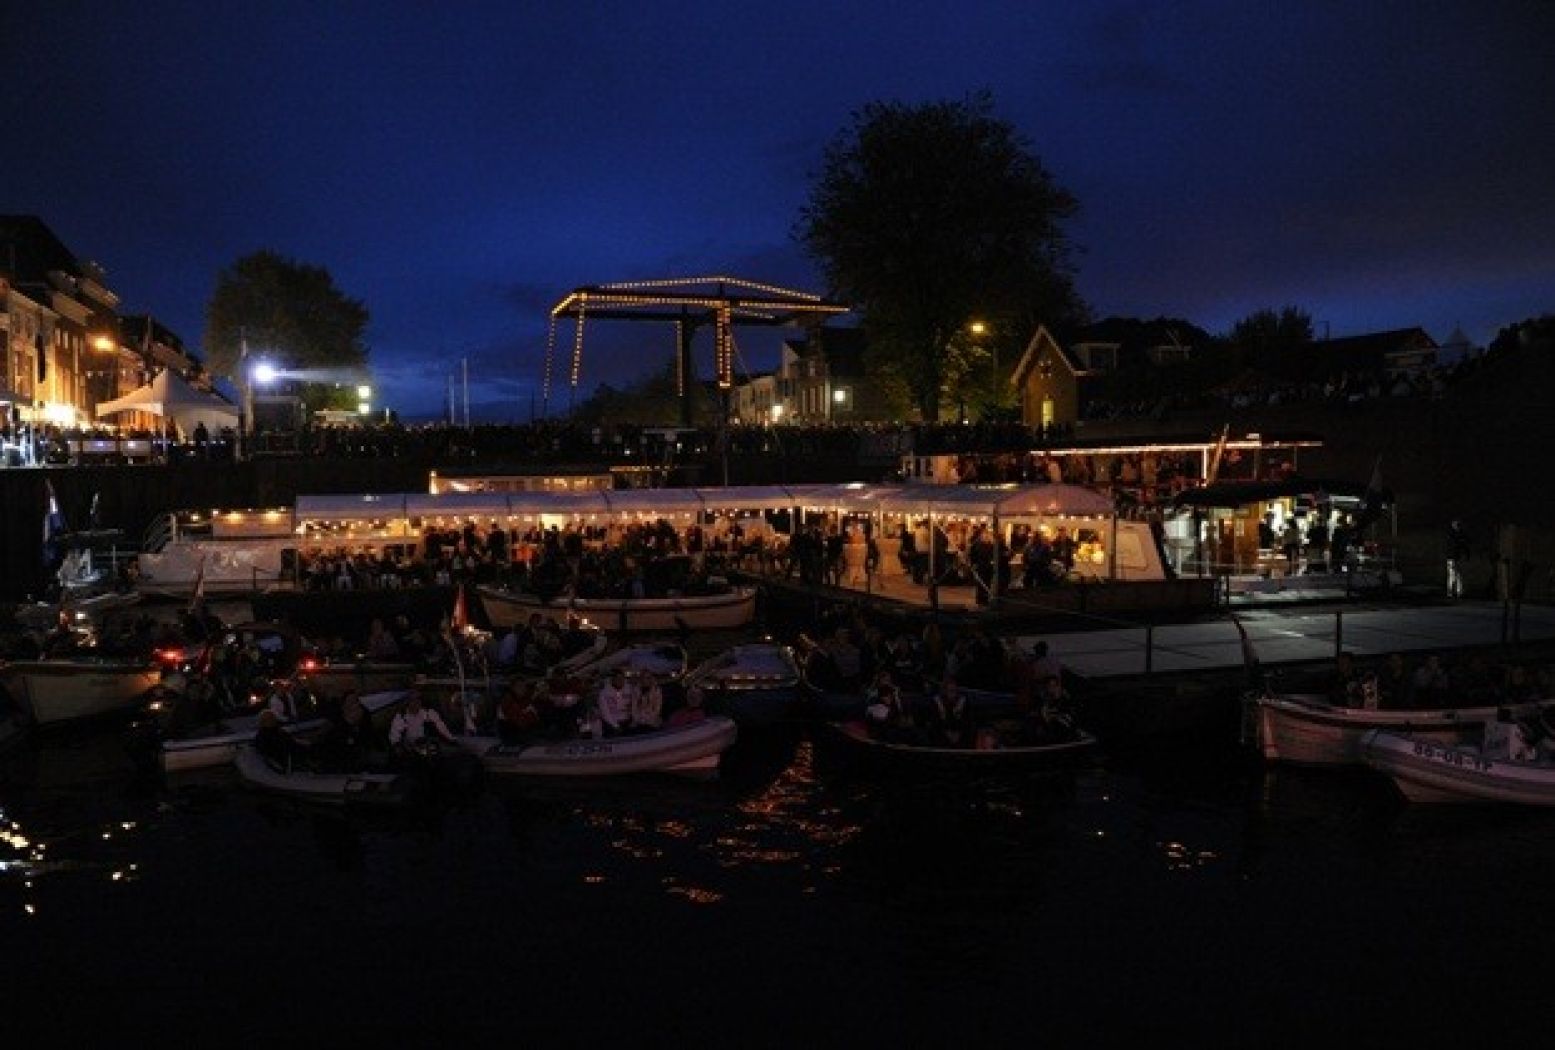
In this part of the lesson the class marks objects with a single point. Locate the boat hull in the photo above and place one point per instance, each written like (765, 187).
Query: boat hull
(692, 749)
(855, 739)
(1309, 731)
(629, 615)
(54, 692)
(218, 744)
(323, 788)
(1428, 771)
(756, 685)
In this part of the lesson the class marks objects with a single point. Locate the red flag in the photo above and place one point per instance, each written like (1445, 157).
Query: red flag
(461, 618)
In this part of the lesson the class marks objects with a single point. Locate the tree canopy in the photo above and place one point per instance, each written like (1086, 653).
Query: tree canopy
(289, 311)
(930, 217)
(1273, 341)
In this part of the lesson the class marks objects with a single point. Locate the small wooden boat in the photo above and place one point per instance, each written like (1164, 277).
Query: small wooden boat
(690, 749)
(756, 684)
(216, 744)
(735, 607)
(1309, 729)
(1427, 770)
(335, 789)
(856, 738)
(53, 691)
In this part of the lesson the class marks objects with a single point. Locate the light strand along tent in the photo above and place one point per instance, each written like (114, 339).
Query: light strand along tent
(170, 396)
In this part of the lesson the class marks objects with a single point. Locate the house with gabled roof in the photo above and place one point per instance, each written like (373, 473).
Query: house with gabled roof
(1402, 351)
(1060, 370)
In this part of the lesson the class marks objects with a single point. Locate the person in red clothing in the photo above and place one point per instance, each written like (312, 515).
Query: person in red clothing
(690, 712)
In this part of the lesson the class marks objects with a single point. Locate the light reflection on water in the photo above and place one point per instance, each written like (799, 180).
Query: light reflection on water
(1167, 874)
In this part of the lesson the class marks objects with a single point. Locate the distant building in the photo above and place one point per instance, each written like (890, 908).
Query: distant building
(820, 379)
(1401, 352)
(1058, 373)
(62, 339)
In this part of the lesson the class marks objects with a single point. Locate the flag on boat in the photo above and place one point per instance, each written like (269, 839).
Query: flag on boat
(461, 617)
(53, 526)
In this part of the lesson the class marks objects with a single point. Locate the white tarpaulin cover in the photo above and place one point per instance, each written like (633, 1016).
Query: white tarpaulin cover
(1010, 501)
(170, 396)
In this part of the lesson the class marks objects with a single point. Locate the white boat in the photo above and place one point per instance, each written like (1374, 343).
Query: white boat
(1429, 771)
(663, 661)
(61, 690)
(691, 749)
(216, 744)
(328, 788)
(221, 552)
(1310, 730)
(757, 684)
(733, 608)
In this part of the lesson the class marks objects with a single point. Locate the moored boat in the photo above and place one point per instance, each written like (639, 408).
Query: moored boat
(334, 789)
(54, 691)
(1426, 770)
(216, 743)
(755, 684)
(856, 738)
(1310, 730)
(735, 607)
(690, 749)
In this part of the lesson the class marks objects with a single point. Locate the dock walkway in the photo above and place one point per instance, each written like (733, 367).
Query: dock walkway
(1294, 637)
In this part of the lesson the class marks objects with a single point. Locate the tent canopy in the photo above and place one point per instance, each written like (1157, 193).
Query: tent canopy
(1008, 501)
(170, 395)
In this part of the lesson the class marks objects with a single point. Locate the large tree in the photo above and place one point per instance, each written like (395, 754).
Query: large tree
(1274, 341)
(929, 217)
(292, 313)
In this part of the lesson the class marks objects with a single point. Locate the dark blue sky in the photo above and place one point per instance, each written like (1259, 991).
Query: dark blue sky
(460, 166)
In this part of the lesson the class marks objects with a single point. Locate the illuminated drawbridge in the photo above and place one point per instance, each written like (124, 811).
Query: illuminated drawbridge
(688, 303)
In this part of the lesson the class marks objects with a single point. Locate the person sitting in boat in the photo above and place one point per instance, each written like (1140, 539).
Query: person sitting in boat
(519, 715)
(949, 722)
(282, 750)
(887, 712)
(349, 741)
(690, 712)
(1052, 720)
(285, 701)
(648, 704)
(615, 702)
(1396, 687)
(417, 726)
(1431, 687)
(1344, 689)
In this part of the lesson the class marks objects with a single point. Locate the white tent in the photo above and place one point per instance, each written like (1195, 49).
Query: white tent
(170, 396)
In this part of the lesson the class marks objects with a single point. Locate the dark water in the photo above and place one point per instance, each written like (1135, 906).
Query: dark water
(1176, 891)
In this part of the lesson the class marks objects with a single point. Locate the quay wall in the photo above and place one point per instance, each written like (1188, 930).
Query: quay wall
(1479, 454)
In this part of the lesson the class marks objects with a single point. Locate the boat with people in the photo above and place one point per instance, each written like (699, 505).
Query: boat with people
(1497, 768)
(1310, 729)
(756, 684)
(216, 743)
(724, 607)
(690, 749)
(985, 753)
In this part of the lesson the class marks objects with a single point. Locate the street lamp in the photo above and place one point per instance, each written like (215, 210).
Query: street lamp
(262, 373)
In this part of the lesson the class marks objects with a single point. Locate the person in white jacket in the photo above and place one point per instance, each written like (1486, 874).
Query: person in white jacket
(616, 700)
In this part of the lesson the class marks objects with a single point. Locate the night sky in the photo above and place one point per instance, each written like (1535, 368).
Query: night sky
(461, 166)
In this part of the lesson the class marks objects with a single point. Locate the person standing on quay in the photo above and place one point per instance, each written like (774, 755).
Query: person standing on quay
(1457, 557)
